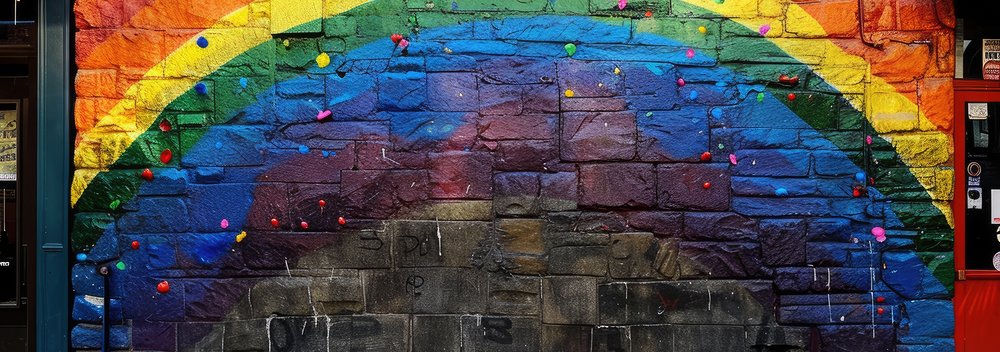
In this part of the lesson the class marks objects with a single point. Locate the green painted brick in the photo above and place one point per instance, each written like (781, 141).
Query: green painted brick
(87, 228)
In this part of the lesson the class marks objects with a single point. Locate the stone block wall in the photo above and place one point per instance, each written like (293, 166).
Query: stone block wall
(557, 175)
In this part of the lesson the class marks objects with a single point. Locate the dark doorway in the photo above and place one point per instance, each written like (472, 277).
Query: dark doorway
(18, 97)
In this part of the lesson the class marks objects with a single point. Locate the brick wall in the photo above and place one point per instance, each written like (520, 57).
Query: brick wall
(566, 175)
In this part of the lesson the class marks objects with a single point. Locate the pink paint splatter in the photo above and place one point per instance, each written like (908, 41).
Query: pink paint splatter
(680, 82)
(690, 53)
(323, 114)
(879, 233)
(622, 4)
(764, 29)
(868, 140)
(732, 159)
(403, 43)
(224, 224)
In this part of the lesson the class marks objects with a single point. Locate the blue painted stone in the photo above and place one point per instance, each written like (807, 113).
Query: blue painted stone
(211, 203)
(202, 42)
(240, 147)
(829, 229)
(766, 186)
(401, 91)
(81, 257)
(208, 174)
(169, 181)
(86, 281)
(303, 149)
(781, 192)
(451, 63)
(927, 321)
(156, 252)
(203, 250)
(675, 136)
(906, 274)
(860, 177)
(155, 214)
(935, 345)
(93, 336)
(201, 88)
(772, 162)
(85, 311)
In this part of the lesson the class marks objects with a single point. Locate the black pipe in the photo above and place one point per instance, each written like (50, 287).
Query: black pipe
(106, 273)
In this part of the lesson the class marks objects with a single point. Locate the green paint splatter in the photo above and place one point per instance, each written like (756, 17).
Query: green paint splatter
(120, 265)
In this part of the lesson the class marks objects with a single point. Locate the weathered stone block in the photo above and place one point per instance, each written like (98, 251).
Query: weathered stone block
(430, 290)
(558, 309)
(337, 294)
(449, 91)
(598, 136)
(687, 338)
(525, 126)
(783, 242)
(245, 335)
(565, 337)
(442, 333)
(282, 296)
(380, 332)
(578, 260)
(436, 243)
(617, 185)
(516, 193)
(297, 333)
(632, 256)
(488, 333)
(521, 236)
(559, 191)
(514, 295)
(699, 302)
(684, 187)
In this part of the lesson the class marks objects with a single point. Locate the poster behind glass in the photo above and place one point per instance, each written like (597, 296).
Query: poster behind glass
(10, 280)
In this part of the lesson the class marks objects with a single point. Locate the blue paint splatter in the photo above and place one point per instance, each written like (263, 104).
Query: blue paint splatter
(202, 42)
(693, 95)
(716, 112)
(81, 257)
(781, 192)
(303, 149)
(244, 82)
(201, 88)
(860, 177)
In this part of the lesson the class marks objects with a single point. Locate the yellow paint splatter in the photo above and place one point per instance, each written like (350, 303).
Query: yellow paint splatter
(286, 43)
(702, 30)
(569, 93)
(323, 60)
(241, 236)
(618, 71)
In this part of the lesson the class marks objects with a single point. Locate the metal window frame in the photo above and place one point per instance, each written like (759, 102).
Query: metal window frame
(52, 295)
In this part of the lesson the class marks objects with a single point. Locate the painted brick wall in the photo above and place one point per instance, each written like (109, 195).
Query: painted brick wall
(564, 175)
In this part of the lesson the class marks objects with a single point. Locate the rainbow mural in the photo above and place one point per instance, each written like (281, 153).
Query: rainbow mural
(289, 175)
